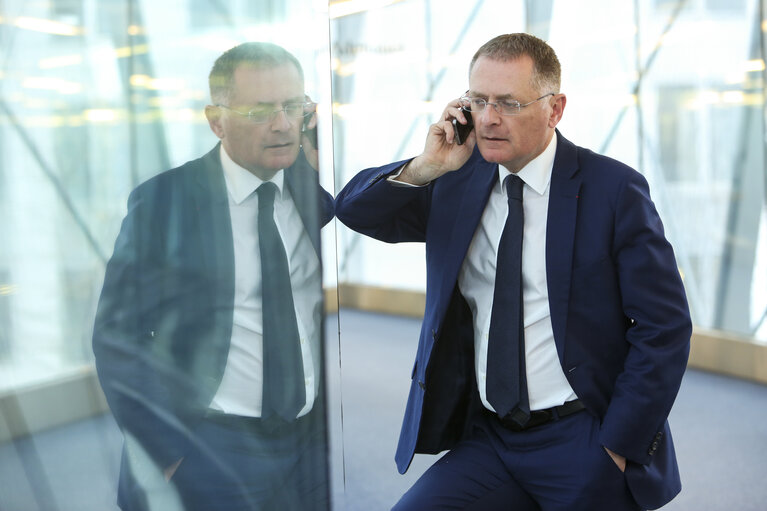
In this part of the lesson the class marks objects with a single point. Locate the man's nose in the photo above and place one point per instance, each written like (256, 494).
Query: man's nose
(281, 122)
(489, 115)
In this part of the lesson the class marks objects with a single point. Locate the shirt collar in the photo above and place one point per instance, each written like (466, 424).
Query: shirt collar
(537, 173)
(240, 182)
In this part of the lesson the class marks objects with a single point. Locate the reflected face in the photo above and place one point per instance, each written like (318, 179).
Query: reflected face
(512, 140)
(262, 149)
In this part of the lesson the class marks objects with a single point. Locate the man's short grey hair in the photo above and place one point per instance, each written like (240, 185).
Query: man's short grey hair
(546, 69)
(256, 54)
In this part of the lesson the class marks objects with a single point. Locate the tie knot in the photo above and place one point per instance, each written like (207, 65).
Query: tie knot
(514, 186)
(266, 193)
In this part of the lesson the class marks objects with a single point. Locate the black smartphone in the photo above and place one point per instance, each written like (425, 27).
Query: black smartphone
(462, 130)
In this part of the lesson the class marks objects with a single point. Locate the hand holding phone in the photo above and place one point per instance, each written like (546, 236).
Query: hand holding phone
(308, 136)
(310, 133)
(462, 130)
(439, 156)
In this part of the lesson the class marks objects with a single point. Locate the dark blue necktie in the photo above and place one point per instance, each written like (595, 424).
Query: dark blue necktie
(506, 380)
(284, 393)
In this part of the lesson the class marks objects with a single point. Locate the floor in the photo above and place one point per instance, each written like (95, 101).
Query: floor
(719, 425)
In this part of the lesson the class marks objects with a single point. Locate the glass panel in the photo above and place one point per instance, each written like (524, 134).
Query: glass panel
(99, 99)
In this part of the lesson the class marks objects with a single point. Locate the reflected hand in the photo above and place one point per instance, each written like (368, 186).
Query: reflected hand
(309, 139)
(169, 471)
(441, 153)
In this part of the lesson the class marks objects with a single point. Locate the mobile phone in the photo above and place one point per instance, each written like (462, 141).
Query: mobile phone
(462, 130)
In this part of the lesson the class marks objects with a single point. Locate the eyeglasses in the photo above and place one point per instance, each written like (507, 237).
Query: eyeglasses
(503, 107)
(267, 113)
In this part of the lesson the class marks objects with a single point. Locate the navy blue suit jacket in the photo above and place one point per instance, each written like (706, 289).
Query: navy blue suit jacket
(163, 325)
(618, 308)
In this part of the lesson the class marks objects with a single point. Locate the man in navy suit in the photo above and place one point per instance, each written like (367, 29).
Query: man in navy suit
(182, 324)
(603, 328)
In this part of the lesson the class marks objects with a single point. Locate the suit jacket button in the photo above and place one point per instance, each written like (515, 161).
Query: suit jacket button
(422, 385)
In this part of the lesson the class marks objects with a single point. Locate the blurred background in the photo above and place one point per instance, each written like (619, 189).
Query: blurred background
(96, 96)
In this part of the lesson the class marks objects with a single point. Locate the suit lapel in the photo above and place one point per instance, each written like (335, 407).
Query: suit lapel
(560, 234)
(474, 189)
(212, 206)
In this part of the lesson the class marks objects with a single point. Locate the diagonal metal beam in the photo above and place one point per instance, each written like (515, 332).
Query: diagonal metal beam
(643, 72)
(58, 186)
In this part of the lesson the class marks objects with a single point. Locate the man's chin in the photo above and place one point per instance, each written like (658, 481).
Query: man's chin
(281, 157)
(492, 155)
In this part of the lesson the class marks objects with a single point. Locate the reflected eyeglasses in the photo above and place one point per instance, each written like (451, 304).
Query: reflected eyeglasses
(267, 113)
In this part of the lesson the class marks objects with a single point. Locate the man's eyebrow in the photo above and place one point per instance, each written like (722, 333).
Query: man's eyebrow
(297, 99)
(475, 94)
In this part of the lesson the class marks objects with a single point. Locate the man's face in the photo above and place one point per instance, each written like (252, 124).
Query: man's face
(265, 148)
(512, 140)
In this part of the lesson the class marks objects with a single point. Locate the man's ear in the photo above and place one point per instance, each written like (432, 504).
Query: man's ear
(557, 110)
(213, 114)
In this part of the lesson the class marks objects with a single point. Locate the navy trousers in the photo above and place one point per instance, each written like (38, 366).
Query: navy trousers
(245, 467)
(559, 466)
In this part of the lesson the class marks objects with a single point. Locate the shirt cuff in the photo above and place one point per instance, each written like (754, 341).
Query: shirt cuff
(402, 184)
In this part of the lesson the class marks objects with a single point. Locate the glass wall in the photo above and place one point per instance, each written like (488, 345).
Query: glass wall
(673, 88)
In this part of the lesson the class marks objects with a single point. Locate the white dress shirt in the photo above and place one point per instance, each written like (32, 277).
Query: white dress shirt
(546, 382)
(240, 391)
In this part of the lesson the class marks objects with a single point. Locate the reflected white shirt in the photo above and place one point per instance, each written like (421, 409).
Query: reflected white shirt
(240, 391)
(546, 381)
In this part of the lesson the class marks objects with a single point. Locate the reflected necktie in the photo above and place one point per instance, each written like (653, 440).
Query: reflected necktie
(284, 393)
(506, 379)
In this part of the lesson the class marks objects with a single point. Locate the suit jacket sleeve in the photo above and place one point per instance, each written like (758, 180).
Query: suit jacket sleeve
(132, 364)
(371, 205)
(658, 334)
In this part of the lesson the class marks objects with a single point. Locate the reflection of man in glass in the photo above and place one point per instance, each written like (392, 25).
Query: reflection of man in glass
(207, 335)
